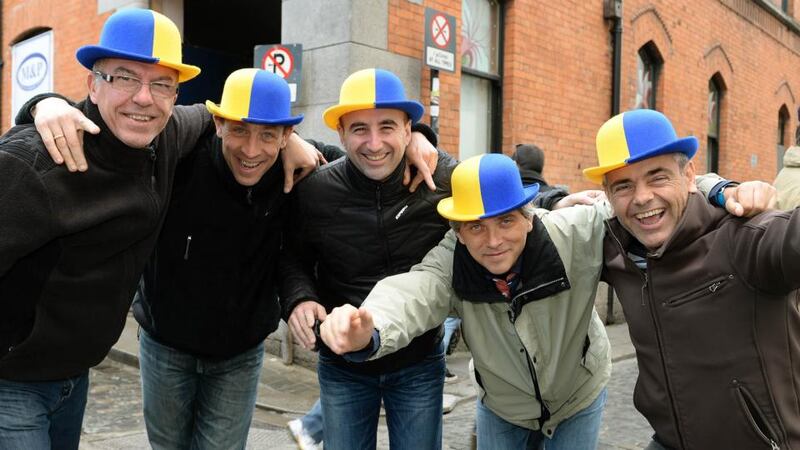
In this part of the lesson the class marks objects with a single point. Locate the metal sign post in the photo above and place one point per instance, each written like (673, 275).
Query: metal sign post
(434, 109)
(440, 54)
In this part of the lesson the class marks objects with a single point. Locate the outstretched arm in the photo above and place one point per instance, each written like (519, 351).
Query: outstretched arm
(347, 329)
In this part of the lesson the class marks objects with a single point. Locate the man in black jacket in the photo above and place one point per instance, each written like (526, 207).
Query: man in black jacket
(354, 224)
(207, 298)
(72, 248)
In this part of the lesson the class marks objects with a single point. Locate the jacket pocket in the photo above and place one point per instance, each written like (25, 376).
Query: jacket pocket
(754, 415)
(708, 288)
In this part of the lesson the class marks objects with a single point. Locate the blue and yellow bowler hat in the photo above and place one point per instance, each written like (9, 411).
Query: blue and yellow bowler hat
(485, 186)
(371, 89)
(140, 35)
(633, 136)
(255, 96)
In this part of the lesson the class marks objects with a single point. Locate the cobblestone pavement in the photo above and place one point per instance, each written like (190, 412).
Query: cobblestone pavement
(114, 419)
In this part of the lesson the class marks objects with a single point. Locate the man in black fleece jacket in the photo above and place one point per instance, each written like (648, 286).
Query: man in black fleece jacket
(72, 247)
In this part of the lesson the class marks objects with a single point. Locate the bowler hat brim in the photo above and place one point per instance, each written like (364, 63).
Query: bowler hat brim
(446, 207)
(285, 121)
(687, 146)
(332, 115)
(89, 54)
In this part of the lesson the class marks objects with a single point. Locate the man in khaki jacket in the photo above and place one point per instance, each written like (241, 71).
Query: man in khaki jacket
(788, 181)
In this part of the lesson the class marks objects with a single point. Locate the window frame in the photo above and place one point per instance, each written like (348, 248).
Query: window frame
(495, 81)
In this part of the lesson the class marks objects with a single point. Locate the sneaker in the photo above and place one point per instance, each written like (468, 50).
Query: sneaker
(301, 436)
(449, 377)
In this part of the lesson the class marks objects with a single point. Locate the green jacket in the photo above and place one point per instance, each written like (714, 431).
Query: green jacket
(547, 343)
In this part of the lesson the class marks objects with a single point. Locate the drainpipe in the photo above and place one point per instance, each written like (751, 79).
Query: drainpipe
(612, 10)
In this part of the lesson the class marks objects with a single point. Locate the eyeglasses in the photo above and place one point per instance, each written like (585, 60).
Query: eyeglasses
(132, 85)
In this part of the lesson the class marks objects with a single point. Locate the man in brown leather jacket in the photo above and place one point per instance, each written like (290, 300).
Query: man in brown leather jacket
(711, 299)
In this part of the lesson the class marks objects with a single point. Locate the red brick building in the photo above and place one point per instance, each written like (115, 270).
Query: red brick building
(726, 71)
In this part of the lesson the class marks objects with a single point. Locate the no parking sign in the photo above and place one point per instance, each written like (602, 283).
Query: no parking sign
(283, 60)
(440, 42)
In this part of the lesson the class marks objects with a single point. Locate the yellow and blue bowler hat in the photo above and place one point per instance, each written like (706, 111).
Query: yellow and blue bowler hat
(372, 89)
(485, 186)
(255, 96)
(633, 136)
(139, 35)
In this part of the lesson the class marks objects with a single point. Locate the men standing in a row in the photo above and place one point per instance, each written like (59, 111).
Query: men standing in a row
(208, 296)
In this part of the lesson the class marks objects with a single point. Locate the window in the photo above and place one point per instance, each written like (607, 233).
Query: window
(782, 138)
(648, 66)
(480, 77)
(714, 99)
(785, 6)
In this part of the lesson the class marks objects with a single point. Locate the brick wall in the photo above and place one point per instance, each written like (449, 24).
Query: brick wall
(74, 23)
(557, 76)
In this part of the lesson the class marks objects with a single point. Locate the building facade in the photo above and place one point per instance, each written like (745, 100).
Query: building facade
(526, 71)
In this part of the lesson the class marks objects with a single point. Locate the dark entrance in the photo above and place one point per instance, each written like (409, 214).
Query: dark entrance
(219, 36)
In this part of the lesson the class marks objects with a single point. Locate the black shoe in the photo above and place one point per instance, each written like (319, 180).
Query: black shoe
(449, 377)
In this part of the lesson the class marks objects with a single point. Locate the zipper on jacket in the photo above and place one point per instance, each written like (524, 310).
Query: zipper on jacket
(382, 237)
(644, 286)
(153, 168)
(186, 251)
(515, 307)
(660, 345)
(647, 287)
(544, 413)
(752, 412)
(712, 287)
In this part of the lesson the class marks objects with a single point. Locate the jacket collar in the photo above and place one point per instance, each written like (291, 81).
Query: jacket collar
(269, 182)
(391, 187)
(111, 153)
(542, 272)
(698, 219)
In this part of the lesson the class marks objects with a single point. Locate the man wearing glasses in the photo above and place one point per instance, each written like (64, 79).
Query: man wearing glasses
(72, 247)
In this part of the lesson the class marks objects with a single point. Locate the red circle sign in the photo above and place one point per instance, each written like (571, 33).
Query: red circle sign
(278, 60)
(440, 30)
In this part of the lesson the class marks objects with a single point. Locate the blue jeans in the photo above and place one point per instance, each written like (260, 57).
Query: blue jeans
(412, 397)
(312, 422)
(451, 324)
(191, 402)
(38, 415)
(579, 432)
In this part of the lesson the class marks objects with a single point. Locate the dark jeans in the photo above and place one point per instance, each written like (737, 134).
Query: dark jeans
(37, 415)
(412, 397)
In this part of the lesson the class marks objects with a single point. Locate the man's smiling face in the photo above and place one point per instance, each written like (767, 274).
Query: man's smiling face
(650, 196)
(134, 118)
(375, 140)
